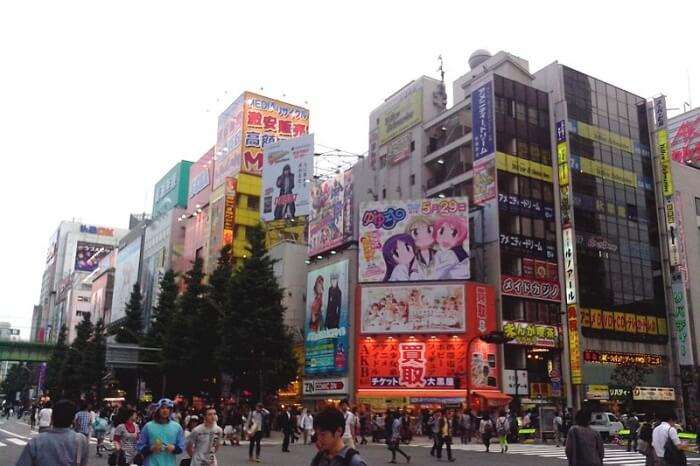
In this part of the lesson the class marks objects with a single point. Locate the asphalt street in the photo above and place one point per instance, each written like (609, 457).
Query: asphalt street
(14, 435)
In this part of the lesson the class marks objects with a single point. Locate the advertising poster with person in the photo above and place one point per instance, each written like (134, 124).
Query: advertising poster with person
(417, 240)
(330, 218)
(287, 167)
(326, 322)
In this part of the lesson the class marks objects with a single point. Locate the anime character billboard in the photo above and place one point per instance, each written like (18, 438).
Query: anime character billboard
(418, 240)
(326, 323)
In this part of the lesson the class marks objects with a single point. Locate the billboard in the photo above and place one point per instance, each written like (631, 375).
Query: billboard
(401, 111)
(267, 121)
(227, 151)
(88, 255)
(326, 322)
(415, 240)
(399, 149)
(330, 218)
(484, 180)
(413, 309)
(483, 141)
(287, 167)
(125, 275)
(171, 190)
(201, 173)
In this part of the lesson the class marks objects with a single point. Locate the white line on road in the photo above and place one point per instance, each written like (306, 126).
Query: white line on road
(2, 444)
(14, 434)
(17, 441)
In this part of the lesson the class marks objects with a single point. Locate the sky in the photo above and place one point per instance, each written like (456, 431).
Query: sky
(98, 100)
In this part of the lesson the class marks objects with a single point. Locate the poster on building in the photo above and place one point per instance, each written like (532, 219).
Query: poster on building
(125, 276)
(403, 110)
(267, 121)
(680, 322)
(399, 148)
(484, 180)
(326, 322)
(574, 345)
(413, 309)
(483, 142)
(330, 218)
(414, 362)
(227, 151)
(529, 334)
(414, 240)
(530, 288)
(287, 169)
(88, 255)
(684, 138)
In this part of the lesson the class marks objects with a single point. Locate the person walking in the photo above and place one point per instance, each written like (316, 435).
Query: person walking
(44, 418)
(444, 435)
(329, 425)
(60, 446)
(161, 439)
(350, 425)
(287, 424)
(584, 447)
(306, 425)
(393, 441)
(204, 441)
(558, 425)
(254, 431)
(126, 434)
(466, 427)
(82, 420)
(99, 427)
(502, 429)
(433, 424)
(665, 442)
(632, 424)
(486, 430)
(32, 416)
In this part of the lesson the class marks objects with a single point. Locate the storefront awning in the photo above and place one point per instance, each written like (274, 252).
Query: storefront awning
(494, 397)
(411, 392)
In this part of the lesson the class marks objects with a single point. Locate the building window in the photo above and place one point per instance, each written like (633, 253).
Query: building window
(382, 161)
(253, 203)
(697, 206)
(383, 193)
(413, 146)
(412, 179)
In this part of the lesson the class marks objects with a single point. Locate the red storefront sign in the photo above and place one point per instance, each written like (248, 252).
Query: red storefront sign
(525, 287)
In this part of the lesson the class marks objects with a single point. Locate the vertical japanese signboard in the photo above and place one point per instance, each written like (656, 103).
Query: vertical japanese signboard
(483, 141)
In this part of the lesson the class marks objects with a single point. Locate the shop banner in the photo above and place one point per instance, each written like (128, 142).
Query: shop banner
(680, 319)
(227, 151)
(528, 334)
(524, 287)
(419, 240)
(569, 265)
(401, 112)
(89, 255)
(287, 169)
(519, 166)
(654, 394)
(574, 345)
(602, 136)
(615, 358)
(525, 206)
(597, 392)
(326, 323)
(330, 218)
(484, 180)
(413, 309)
(399, 149)
(337, 386)
(483, 141)
(528, 247)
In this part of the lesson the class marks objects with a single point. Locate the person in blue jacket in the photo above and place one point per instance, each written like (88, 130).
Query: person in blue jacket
(161, 439)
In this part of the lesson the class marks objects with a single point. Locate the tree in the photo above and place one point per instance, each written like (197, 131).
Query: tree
(76, 368)
(131, 330)
(17, 380)
(256, 346)
(164, 311)
(94, 360)
(55, 371)
(629, 375)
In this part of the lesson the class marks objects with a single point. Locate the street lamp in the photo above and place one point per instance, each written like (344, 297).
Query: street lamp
(497, 337)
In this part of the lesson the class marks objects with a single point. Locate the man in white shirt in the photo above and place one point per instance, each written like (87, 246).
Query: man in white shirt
(44, 418)
(662, 433)
(350, 422)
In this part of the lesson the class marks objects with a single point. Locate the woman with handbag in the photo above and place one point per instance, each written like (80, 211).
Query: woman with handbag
(126, 434)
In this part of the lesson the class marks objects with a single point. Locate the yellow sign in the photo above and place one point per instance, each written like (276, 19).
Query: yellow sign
(596, 318)
(404, 110)
(604, 136)
(661, 326)
(608, 172)
(563, 174)
(574, 345)
(383, 403)
(665, 161)
(519, 166)
(562, 153)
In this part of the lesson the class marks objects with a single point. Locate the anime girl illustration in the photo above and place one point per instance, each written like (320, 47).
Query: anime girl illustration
(399, 253)
(316, 319)
(450, 259)
(420, 228)
(285, 207)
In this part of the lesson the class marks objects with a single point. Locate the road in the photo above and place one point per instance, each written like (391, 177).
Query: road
(14, 435)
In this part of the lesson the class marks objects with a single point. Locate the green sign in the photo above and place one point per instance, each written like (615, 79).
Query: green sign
(171, 190)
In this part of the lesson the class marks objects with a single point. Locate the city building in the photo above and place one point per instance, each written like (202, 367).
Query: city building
(102, 288)
(7, 333)
(75, 250)
(196, 217)
(249, 124)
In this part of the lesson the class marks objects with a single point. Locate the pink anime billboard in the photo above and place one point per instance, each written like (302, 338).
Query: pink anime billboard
(418, 240)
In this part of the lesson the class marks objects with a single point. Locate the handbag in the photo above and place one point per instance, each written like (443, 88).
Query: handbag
(116, 458)
(672, 454)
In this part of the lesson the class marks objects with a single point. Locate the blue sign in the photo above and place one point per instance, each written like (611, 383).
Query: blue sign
(561, 131)
(483, 142)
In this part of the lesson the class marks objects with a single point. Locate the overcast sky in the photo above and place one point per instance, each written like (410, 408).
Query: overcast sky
(99, 99)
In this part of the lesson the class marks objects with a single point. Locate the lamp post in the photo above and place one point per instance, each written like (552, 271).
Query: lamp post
(496, 337)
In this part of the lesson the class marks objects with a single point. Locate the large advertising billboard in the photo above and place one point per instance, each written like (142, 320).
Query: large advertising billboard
(418, 240)
(326, 322)
(330, 218)
(171, 190)
(229, 136)
(401, 111)
(125, 275)
(288, 167)
(267, 121)
(413, 309)
(201, 174)
(88, 255)
(483, 142)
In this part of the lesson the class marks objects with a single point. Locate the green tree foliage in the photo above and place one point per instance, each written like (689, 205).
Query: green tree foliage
(17, 380)
(163, 312)
(55, 372)
(94, 360)
(256, 346)
(76, 368)
(630, 375)
(131, 330)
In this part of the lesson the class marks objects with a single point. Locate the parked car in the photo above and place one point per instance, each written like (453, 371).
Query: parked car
(606, 423)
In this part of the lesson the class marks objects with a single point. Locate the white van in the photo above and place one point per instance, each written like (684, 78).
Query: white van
(606, 423)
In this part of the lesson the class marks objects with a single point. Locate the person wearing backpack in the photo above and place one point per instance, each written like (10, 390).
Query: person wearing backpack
(632, 425)
(329, 426)
(99, 427)
(502, 429)
(665, 442)
(486, 430)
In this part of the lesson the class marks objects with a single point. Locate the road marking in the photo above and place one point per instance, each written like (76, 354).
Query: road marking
(2, 444)
(17, 441)
(14, 434)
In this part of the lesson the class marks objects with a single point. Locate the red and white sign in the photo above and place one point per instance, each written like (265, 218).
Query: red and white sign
(337, 386)
(524, 287)
(412, 364)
